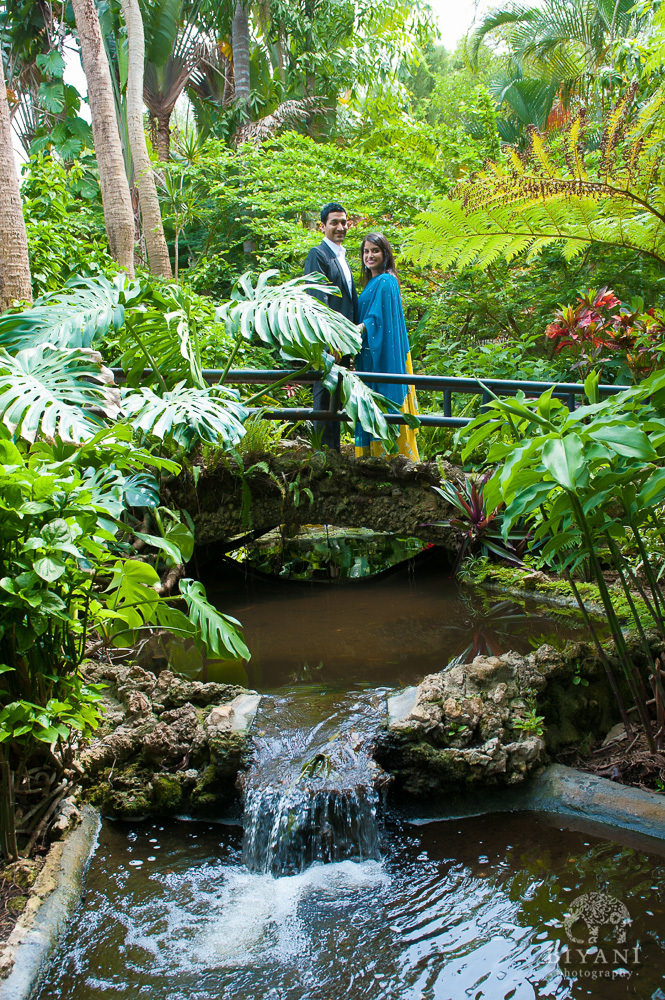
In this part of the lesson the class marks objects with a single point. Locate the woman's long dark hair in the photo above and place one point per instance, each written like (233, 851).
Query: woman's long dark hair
(379, 240)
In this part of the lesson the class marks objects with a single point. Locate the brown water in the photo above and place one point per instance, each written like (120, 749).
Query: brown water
(468, 908)
(391, 631)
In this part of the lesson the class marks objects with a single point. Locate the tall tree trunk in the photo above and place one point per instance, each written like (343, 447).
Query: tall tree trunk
(240, 45)
(14, 261)
(163, 135)
(116, 200)
(158, 254)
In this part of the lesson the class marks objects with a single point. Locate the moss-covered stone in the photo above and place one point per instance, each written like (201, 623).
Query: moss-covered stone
(167, 793)
(16, 905)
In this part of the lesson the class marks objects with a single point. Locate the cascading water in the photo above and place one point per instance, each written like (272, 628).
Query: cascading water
(312, 793)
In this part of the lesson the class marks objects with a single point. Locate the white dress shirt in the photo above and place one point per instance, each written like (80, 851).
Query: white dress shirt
(340, 253)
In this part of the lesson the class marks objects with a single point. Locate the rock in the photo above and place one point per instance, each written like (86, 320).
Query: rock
(138, 704)
(177, 746)
(67, 817)
(616, 734)
(493, 721)
(175, 737)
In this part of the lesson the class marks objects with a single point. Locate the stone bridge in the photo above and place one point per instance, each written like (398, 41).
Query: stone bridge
(297, 486)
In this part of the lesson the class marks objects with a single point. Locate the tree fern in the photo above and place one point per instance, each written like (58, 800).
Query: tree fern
(538, 200)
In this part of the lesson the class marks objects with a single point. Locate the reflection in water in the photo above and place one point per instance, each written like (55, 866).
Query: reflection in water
(390, 631)
(320, 552)
(456, 910)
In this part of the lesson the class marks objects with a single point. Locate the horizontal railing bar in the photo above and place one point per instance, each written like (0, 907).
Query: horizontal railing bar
(461, 384)
(449, 383)
(302, 413)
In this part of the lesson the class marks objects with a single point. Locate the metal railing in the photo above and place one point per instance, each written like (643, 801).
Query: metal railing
(449, 385)
(568, 391)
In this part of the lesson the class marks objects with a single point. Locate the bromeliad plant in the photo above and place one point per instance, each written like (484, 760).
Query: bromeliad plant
(589, 483)
(481, 525)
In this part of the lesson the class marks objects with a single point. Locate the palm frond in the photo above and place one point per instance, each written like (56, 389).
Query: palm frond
(286, 115)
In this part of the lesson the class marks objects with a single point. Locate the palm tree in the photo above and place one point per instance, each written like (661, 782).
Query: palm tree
(563, 43)
(158, 254)
(116, 199)
(175, 48)
(240, 43)
(14, 262)
(210, 87)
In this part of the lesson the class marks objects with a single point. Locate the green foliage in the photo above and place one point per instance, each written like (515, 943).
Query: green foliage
(540, 201)
(185, 416)
(588, 482)
(64, 221)
(54, 392)
(481, 526)
(271, 196)
(82, 312)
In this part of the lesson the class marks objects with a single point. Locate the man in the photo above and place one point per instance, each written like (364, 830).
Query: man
(329, 259)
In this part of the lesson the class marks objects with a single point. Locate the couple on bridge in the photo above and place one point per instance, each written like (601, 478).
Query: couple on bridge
(379, 313)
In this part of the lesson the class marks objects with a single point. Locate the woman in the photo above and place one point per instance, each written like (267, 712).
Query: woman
(385, 341)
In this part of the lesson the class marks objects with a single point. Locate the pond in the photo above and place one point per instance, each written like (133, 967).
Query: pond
(401, 911)
(453, 910)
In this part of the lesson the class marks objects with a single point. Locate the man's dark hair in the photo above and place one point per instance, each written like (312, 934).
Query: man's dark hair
(332, 206)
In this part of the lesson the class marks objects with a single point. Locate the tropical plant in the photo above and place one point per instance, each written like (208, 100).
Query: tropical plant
(536, 202)
(589, 483)
(481, 525)
(600, 336)
(14, 262)
(64, 573)
(559, 52)
(175, 48)
(118, 212)
(144, 178)
(64, 221)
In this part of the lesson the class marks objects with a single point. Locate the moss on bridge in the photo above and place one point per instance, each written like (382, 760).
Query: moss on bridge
(297, 486)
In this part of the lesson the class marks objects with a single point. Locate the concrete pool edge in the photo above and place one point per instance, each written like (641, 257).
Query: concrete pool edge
(563, 791)
(53, 898)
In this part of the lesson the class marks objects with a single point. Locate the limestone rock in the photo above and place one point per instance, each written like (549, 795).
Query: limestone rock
(493, 720)
(67, 817)
(167, 751)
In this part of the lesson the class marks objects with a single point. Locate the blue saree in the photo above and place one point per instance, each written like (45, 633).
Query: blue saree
(386, 349)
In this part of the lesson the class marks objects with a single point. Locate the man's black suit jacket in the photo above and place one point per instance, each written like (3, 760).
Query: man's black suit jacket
(323, 260)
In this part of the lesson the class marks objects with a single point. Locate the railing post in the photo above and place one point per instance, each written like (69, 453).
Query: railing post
(447, 402)
(335, 396)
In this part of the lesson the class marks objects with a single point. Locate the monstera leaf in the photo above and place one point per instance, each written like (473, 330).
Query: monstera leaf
(78, 315)
(289, 318)
(55, 392)
(366, 406)
(185, 415)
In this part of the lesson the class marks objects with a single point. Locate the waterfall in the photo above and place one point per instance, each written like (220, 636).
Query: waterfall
(312, 793)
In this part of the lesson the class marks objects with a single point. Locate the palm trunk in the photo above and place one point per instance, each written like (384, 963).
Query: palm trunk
(163, 135)
(158, 254)
(14, 261)
(116, 200)
(240, 45)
